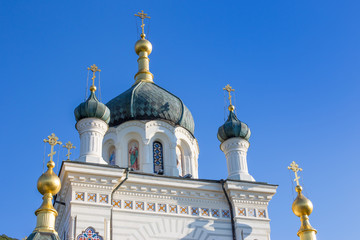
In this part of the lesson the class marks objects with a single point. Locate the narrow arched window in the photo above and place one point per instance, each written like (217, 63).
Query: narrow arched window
(133, 150)
(112, 156)
(179, 161)
(158, 158)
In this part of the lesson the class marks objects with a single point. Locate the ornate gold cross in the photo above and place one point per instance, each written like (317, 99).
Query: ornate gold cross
(52, 140)
(142, 15)
(229, 89)
(69, 146)
(295, 168)
(94, 69)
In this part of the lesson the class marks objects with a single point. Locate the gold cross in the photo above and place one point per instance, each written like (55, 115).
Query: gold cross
(52, 140)
(142, 15)
(229, 89)
(94, 69)
(69, 146)
(295, 168)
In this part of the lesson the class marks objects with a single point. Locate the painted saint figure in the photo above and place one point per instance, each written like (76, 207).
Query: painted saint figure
(134, 155)
(179, 161)
(112, 156)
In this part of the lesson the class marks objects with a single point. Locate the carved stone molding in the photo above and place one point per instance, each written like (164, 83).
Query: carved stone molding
(91, 124)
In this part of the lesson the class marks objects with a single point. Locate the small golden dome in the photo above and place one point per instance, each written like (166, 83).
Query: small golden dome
(143, 45)
(301, 206)
(231, 108)
(49, 182)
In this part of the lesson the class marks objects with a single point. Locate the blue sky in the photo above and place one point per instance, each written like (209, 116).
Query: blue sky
(294, 65)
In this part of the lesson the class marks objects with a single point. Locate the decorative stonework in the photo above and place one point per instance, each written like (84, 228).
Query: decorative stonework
(195, 211)
(261, 213)
(162, 207)
(241, 211)
(205, 212)
(91, 197)
(172, 208)
(184, 210)
(116, 203)
(225, 213)
(104, 198)
(89, 234)
(139, 206)
(215, 213)
(79, 196)
(128, 204)
(251, 212)
(150, 207)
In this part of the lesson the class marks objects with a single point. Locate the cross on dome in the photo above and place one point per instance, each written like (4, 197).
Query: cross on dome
(94, 69)
(52, 140)
(69, 146)
(142, 16)
(229, 89)
(295, 168)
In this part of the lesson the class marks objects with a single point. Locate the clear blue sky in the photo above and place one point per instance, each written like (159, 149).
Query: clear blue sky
(294, 64)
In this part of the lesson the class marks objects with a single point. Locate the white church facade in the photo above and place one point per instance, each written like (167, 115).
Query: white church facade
(137, 173)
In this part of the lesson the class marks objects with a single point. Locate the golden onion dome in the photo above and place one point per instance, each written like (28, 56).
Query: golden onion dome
(143, 45)
(301, 206)
(49, 182)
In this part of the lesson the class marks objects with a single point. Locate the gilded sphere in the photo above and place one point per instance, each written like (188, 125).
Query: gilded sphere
(231, 107)
(49, 182)
(302, 206)
(143, 45)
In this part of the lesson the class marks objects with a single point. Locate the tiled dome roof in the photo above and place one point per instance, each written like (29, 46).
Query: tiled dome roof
(92, 108)
(233, 127)
(148, 101)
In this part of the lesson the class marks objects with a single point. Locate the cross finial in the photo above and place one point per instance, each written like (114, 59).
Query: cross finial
(52, 140)
(69, 146)
(229, 89)
(295, 168)
(142, 15)
(94, 69)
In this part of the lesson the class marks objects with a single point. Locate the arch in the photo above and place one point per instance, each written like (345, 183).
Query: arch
(186, 157)
(89, 234)
(190, 151)
(108, 146)
(168, 153)
(180, 160)
(158, 157)
(112, 155)
(134, 154)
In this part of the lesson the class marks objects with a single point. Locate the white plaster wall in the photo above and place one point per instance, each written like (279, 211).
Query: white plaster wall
(142, 223)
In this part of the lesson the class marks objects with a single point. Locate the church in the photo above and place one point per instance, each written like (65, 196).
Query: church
(137, 173)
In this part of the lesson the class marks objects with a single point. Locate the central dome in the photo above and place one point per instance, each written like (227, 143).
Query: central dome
(148, 101)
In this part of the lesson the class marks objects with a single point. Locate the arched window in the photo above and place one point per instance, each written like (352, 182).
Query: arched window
(133, 150)
(158, 158)
(89, 234)
(179, 161)
(112, 155)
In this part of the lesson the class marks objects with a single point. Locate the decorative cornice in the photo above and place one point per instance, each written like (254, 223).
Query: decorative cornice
(91, 123)
(235, 144)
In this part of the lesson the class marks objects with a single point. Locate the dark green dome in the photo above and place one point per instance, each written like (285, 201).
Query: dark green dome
(148, 101)
(233, 127)
(92, 108)
(43, 236)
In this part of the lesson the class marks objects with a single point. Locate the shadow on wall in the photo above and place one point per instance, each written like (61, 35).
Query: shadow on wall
(210, 230)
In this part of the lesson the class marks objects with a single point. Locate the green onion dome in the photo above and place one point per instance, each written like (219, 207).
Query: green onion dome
(233, 127)
(148, 101)
(92, 108)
